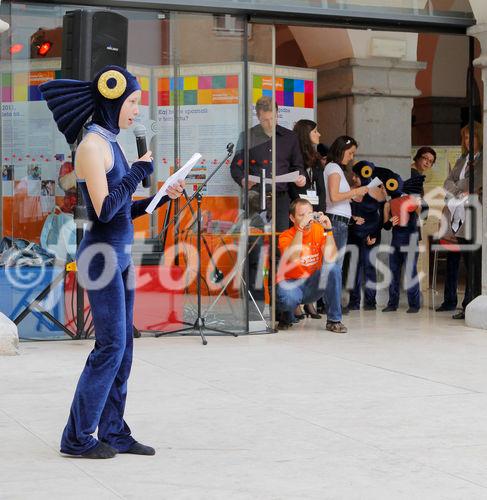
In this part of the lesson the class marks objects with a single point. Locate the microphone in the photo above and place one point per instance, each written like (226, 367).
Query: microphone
(139, 132)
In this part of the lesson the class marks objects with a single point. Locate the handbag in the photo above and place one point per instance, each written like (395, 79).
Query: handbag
(58, 235)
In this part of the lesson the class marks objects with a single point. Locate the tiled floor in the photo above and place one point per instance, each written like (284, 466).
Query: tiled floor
(396, 409)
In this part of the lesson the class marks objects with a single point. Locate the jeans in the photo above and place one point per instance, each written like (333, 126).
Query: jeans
(365, 272)
(397, 259)
(333, 292)
(291, 293)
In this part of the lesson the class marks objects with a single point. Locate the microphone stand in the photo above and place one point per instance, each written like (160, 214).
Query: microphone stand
(199, 325)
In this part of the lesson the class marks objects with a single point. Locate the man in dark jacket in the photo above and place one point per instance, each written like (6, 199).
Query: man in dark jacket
(288, 159)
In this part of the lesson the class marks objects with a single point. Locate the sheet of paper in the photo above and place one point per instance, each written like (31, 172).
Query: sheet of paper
(291, 177)
(314, 200)
(456, 206)
(180, 175)
(374, 183)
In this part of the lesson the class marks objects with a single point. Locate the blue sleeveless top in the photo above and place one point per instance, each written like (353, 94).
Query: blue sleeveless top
(119, 232)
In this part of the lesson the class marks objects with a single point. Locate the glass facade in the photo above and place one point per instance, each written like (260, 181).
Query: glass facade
(192, 72)
(201, 77)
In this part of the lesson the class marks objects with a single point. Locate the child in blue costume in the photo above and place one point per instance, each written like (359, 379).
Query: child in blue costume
(104, 256)
(365, 237)
(404, 251)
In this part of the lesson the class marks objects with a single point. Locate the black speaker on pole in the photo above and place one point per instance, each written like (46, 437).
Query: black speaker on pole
(92, 40)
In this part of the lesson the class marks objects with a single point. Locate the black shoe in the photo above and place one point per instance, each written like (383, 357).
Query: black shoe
(298, 314)
(140, 449)
(353, 307)
(389, 309)
(370, 307)
(444, 307)
(309, 310)
(321, 310)
(345, 310)
(412, 310)
(284, 325)
(100, 451)
(459, 315)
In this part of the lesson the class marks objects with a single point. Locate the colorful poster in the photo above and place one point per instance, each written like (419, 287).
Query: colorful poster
(208, 103)
(295, 92)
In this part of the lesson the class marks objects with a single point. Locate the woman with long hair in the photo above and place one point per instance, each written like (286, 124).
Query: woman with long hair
(314, 163)
(339, 196)
(314, 190)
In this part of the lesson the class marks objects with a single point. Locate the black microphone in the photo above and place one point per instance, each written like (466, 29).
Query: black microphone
(139, 132)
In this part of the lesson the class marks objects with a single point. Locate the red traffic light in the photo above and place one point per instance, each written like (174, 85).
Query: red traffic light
(44, 48)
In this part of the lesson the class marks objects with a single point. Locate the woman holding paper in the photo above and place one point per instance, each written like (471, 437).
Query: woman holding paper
(104, 261)
(339, 195)
(314, 190)
(457, 188)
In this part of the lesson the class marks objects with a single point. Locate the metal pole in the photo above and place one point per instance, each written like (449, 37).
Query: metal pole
(273, 239)
(246, 103)
(471, 277)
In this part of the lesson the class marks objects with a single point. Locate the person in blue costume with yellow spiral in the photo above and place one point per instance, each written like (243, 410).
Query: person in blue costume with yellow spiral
(104, 262)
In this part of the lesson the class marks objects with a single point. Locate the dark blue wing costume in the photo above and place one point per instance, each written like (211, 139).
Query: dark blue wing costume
(104, 260)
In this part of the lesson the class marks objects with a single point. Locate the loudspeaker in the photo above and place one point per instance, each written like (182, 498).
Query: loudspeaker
(91, 40)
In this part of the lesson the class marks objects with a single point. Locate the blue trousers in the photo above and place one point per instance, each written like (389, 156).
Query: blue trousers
(333, 293)
(366, 277)
(397, 260)
(291, 293)
(99, 400)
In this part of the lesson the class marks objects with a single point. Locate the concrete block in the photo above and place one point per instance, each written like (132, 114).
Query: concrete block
(9, 337)
(476, 313)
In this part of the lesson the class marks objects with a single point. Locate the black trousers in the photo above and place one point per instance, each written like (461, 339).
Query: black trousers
(255, 258)
(472, 261)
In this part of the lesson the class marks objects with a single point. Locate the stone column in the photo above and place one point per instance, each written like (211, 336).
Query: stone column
(476, 312)
(370, 99)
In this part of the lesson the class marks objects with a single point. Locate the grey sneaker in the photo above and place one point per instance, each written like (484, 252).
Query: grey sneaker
(336, 327)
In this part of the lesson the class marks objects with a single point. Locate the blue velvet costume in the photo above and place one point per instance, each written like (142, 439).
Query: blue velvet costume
(403, 238)
(105, 255)
(371, 211)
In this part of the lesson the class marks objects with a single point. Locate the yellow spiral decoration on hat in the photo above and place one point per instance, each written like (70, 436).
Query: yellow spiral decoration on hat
(392, 184)
(120, 86)
(366, 171)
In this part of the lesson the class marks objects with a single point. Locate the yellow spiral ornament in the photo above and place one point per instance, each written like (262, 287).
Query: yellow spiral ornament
(116, 91)
(366, 171)
(392, 184)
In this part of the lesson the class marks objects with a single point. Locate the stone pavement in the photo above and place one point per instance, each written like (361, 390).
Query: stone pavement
(396, 409)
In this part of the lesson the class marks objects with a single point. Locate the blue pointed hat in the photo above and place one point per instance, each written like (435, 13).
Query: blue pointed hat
(72, 102)
(392, 182)
(364, 170)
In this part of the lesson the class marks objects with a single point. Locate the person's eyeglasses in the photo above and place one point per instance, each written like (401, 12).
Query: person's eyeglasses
(428, 160)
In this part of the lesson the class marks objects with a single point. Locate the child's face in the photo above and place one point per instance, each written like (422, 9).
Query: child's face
(356, 180)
